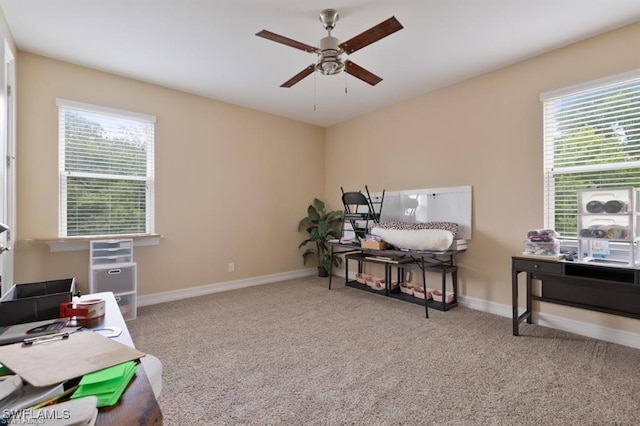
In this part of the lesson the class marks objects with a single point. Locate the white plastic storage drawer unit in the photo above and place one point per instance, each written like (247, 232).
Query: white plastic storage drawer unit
(111, 268)
(121, 279)
(127, 303)
(108, 252)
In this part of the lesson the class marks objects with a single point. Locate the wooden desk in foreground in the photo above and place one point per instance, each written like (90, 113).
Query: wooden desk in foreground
(138, 404)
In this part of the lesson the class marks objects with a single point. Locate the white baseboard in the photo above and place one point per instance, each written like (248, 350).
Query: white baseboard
(581, 328)
(595, 331)
(170, 296)
(485, 306)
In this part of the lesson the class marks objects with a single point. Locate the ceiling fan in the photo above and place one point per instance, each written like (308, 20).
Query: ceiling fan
(330, 49)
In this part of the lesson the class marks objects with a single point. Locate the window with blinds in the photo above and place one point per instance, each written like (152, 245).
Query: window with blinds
(591, 140)
(106, 173)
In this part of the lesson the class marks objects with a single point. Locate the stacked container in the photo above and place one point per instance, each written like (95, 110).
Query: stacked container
(111, 268)
(608, 226)
(542, 242)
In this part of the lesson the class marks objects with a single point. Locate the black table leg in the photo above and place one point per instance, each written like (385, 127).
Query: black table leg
(331, 268)
(529, 319)
(346, 270)
(424, 287)
(514, 302)
(454, 279)
(444, 289)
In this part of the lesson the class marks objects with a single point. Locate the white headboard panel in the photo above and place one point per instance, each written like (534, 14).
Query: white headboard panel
(430, 205)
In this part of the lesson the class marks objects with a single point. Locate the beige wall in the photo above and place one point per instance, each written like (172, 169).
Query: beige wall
(485, 132)
(231, 183)
(252, 177)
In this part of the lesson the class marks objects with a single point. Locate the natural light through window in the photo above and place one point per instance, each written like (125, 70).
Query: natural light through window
(591, 140)
(106, 173)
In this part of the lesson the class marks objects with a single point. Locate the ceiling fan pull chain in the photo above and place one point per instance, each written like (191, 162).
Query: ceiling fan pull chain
(345, 81)
(314, 91)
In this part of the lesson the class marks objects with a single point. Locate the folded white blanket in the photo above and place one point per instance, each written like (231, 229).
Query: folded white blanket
(420, 239)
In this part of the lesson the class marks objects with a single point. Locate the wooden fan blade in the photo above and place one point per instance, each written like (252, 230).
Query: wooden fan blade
(357, 71)
(372, 35)
(296, 78)
(285, 40)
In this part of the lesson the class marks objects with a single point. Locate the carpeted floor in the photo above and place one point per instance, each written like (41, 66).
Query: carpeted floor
(295, 353)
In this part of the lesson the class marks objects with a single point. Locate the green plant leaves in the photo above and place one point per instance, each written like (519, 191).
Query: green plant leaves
(321, 226)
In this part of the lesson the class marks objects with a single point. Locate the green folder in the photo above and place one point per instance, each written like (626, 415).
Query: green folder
(107, 385)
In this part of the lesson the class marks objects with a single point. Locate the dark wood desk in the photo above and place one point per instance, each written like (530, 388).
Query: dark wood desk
(593, 286)
(138, 404)
(441, 262)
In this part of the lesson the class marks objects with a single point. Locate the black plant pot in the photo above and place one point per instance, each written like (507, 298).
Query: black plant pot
(322, 272)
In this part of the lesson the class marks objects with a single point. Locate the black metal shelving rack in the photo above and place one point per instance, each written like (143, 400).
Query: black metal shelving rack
(435, 262)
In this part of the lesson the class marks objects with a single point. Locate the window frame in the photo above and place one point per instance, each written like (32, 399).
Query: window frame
(549, 170)
(65, 105)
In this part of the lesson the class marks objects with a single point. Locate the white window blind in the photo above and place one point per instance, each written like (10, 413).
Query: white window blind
(106, 173)
(591, 140)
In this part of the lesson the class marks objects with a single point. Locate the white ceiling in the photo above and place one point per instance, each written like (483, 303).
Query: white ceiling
(209, 47)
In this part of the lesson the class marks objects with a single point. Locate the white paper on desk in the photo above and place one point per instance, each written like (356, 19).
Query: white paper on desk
(75, 412)
(45, 364)
(27, 396)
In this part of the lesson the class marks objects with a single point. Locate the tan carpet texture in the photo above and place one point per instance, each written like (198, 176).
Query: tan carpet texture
(296, 353)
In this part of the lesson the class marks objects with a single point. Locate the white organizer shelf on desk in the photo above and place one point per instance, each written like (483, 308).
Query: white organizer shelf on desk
(609, 226)
(111, 268)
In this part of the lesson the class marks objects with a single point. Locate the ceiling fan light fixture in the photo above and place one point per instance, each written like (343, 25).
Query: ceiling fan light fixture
(330, 62)
(330, 67)
(329, 52)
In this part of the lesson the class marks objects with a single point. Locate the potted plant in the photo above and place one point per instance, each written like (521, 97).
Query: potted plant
(322, 226)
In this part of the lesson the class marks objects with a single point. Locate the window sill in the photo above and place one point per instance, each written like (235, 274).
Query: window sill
(82, 243)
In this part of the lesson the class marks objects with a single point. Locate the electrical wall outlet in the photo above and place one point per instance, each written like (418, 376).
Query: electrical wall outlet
(232, 267)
